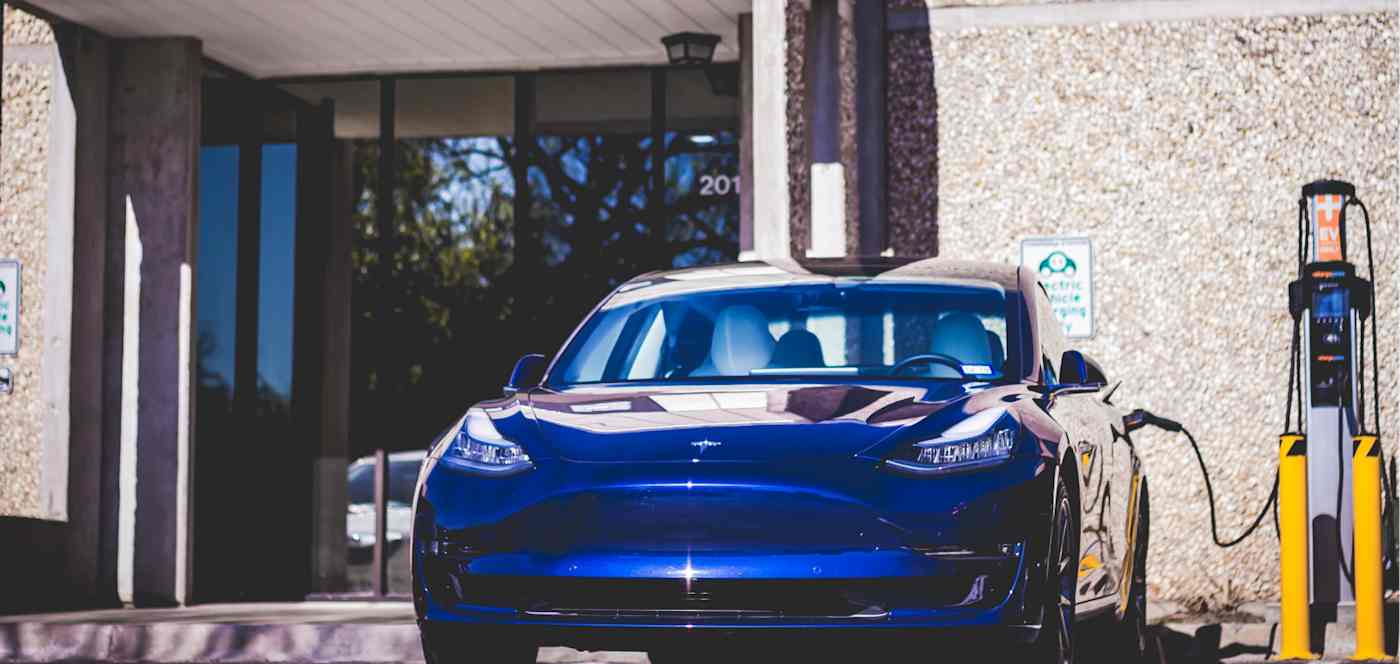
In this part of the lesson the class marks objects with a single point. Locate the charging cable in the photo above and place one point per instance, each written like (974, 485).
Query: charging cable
(1139, 418)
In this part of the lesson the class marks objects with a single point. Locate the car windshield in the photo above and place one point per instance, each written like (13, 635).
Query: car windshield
(827, 329)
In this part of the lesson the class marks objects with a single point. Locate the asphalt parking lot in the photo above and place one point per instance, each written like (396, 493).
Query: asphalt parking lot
(346, 632)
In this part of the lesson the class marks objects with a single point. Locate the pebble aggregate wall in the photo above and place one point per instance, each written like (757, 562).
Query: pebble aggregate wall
(23, 230)
(1180, 147)
(911, 116)
(799, 172)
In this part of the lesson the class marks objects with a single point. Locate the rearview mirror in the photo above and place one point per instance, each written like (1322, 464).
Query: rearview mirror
(527, 373)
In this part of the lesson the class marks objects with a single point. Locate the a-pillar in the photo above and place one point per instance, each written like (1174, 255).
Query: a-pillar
(153, 167)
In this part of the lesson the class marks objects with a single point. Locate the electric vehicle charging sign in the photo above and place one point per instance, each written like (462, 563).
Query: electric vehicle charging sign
(1065, 265)
(9, 307)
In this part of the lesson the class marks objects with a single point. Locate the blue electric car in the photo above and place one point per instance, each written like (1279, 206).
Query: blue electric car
(905, 451)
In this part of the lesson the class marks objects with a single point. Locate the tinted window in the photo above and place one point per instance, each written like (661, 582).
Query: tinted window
(846, 328)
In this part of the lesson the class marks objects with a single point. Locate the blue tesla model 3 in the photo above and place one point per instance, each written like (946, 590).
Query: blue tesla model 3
(905, 451)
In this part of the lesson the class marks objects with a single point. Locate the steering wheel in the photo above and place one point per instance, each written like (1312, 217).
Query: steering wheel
(932, 358)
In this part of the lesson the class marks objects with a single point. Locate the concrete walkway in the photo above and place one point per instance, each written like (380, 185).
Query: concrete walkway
(341, 632)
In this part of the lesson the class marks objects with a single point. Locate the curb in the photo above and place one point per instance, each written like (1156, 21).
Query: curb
(209, 642)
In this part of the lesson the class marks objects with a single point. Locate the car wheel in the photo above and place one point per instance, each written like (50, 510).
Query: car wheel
(1055, 644)
(439, 648)
(1134, 623)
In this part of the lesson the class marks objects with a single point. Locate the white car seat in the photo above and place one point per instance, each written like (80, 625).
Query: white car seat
(740, 343)
(961, 335)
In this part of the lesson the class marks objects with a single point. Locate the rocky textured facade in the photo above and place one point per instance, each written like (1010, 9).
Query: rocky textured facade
(24, 236)
(1179, 148)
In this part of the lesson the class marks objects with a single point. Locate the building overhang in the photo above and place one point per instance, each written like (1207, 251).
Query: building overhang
(315, 38)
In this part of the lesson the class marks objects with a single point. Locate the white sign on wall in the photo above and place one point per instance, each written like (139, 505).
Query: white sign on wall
(9, 307)
(1065, 265)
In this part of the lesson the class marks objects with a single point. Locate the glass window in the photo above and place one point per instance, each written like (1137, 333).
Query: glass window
(459, 106)
(790, 331)
(593, 102)
(217, 282)
(702, 195)
(692, 103)
(276, 272)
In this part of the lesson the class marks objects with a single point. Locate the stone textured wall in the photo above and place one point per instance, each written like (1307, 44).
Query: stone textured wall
(849, 149)
(27, 92)
(799, 154)
(799, 172)
(1180, 149)
(911, 117)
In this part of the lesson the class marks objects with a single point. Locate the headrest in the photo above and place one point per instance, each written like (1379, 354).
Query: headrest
(998, 353)
(797, 348)
(962, 336)
(741, 341)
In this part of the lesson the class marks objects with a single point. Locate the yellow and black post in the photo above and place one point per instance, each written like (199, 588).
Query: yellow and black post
(1294, 627)
(1366, 525)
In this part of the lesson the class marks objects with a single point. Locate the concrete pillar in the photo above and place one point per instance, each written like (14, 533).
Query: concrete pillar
(85, 57)
(871, 135)
(771, 215)
(746, 251)
(153, 160)
(329, 498)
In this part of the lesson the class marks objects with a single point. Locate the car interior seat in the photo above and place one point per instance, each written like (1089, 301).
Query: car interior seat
(797, 348)
(998, 354)
(960, 335)
(740, 343)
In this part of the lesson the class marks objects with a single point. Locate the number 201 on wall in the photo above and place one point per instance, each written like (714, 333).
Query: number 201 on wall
(719, 185)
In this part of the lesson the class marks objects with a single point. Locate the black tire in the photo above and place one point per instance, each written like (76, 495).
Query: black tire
(1055, 644)
(1133, 625)
(446, 648)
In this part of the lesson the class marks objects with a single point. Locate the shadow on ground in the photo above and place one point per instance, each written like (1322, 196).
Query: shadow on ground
(1204, 646)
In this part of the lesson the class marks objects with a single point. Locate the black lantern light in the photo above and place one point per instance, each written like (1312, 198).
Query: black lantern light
(690, 48)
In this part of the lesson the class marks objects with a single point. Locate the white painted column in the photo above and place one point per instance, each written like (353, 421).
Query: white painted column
(770, 148)
(828, 210)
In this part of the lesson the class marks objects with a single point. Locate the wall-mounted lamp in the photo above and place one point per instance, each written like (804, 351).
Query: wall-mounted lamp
(690, 48)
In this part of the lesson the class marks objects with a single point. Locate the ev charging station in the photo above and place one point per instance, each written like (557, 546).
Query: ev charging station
(1334, 302)
(1331, 472)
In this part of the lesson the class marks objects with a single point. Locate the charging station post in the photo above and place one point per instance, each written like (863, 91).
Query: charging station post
(1342, 496)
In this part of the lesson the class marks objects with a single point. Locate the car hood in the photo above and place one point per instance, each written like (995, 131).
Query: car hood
(732, 423)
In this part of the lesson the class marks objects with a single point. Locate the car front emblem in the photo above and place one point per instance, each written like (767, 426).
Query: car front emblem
(703, 445)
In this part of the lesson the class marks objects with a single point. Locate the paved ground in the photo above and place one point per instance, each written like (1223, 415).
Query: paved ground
(343, 632)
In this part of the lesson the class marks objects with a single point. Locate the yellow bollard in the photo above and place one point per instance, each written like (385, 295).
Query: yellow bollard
(1295, 641)
(1366, 526)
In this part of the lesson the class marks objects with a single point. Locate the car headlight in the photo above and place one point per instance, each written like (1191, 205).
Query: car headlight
(480, 447)
(985, 439)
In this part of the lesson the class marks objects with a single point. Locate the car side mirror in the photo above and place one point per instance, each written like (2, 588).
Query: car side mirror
(1076, 375)
(1074, 369)
(527, 373)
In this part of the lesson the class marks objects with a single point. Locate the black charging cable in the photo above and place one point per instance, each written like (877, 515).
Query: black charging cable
(1139, 418)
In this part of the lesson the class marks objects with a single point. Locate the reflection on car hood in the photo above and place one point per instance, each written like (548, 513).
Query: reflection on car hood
(730, 423)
